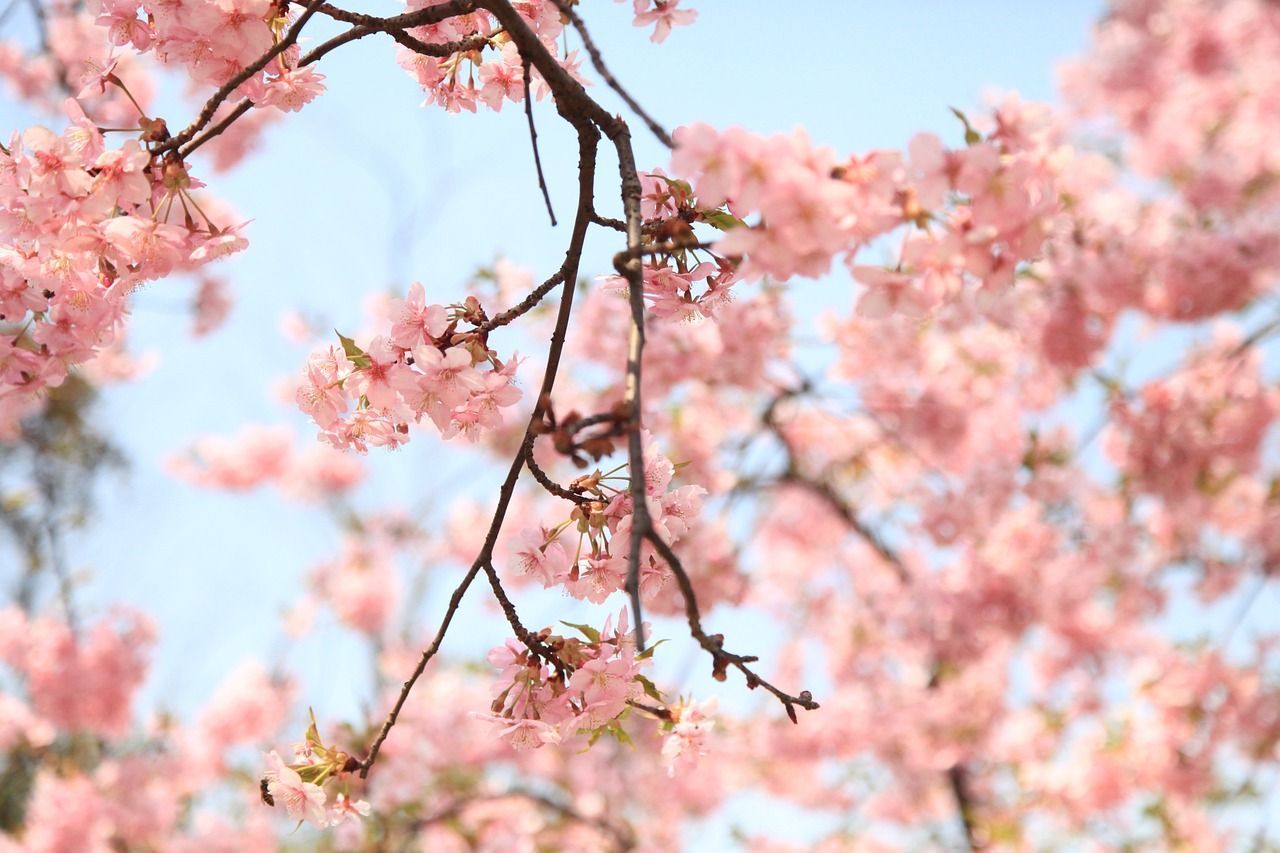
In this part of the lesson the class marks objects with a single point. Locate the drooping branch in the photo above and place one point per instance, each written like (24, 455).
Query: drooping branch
(588, 139)
(533, 140)
(714, 643)
(226, 89)
(597, 61)
(551, 485)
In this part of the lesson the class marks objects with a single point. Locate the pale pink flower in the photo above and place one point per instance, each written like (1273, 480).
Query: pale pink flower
(302, 800)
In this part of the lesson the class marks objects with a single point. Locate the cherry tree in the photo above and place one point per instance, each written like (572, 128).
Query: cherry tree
(975, 529)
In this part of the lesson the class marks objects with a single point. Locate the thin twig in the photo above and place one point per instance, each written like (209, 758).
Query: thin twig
(598, 62)
(226, 89)
(526, 305)
(714, 644)
(551, 485)
(588, 138)
(533, 139)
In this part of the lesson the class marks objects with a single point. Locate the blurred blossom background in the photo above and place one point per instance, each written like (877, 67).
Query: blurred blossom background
(362, 193)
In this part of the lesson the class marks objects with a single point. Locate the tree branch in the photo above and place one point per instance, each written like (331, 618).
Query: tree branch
(227, 88)
(714, 643)
(598, 62)
(533, 139)
(588, 139)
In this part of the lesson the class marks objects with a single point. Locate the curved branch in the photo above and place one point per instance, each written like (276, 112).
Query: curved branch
(526, 305)
(227, 88)
(714, 643)
(588, 139)
(598, 62)
(551, 485)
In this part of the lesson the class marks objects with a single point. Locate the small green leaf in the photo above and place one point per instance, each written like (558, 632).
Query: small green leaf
(619, 733)
(648, 653)
(650, 689)
(313, 731)
(587, 631)
(971, 136)
(723, 220)
(679, 185)
(358, 356)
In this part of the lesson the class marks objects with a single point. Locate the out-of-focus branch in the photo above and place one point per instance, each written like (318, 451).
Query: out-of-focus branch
(623, 836)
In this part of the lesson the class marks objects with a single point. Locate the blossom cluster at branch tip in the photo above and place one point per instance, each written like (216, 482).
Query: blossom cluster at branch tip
(85, 225)
(534, 704)
(303, 787)
(599, 532)
(425, 366)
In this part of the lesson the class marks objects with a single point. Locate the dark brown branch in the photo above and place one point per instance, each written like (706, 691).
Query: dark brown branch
(609, 222)
(577, 108)
(533, 139)
(551, 485)
(214, 131)
(409, 20)
(598, 62)
(226, 89)
(592, 420)
(526, 305)
(958, 780)
(714, 643)
(588, 139)
(533, 643)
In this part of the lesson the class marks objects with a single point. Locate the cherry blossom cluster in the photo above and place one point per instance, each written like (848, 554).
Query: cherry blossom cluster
(987, 600)
(260, 454)
(981, 210)
(598, 531)
(85, 225)
(425, 366)
(85, 683)
(1198, 430)
(1190, 83)
(300, 787)
(492, 72)
(534, 704)
(213, 41)
(464, 79)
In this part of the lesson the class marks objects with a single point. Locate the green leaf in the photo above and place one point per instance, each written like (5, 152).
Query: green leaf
(358, 356)
(587, 631)
(679, 185)
(723, 220)
(313, 731)
(650, 689)
(648, 653)
(619, 733)
(971, 136)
